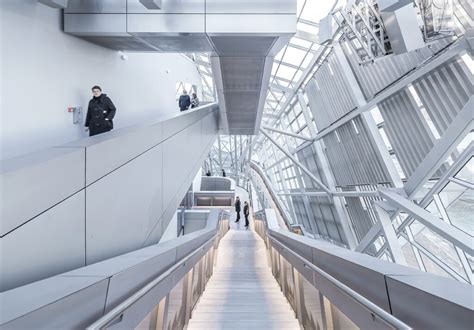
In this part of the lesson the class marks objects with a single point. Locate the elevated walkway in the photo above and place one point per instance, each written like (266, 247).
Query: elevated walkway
(242, 293)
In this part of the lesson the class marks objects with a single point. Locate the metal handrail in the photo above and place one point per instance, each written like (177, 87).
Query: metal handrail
(375, 310)
(117, 312)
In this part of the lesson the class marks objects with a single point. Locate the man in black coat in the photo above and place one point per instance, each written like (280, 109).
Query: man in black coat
(100, 113)
(246, 213)
(237, 208)
(184, 101)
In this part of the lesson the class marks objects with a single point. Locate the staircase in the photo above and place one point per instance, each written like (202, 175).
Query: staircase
(242, 293)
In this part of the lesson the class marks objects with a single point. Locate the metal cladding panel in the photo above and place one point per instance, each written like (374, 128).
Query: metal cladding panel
(55, 303)
(125, 283)
(374, 77)
(407, 130)
(168, 7)
(360, 210)
(354, 160)
(251, 7)
(131, 193)
(307, 156)
(412, 300)
(325, 218)
(32, 184)
(333, 96)
(51, 243)
(445, 91)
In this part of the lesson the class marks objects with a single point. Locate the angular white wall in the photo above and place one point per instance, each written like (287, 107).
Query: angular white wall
(99, 197)
(44, 71)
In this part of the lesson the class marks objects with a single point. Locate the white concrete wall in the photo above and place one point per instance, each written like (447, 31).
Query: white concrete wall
(43, 71)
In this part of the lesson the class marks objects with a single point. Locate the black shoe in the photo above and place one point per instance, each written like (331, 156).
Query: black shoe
(236, 221)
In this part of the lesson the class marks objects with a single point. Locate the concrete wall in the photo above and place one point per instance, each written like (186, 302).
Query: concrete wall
(43, 71)
(93, 199)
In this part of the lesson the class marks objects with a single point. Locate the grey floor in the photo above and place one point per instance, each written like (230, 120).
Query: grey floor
(242, 293)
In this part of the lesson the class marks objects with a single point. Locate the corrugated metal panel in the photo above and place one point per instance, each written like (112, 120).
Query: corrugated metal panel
(463, 11)
(307, 156)
(360, 210)
(333, 97)
(373, 77)
(354, 160)
(408, 132)
(445, 91)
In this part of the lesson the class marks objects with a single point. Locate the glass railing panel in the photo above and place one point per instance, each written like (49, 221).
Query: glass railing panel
(289, 279)
(196, 285)
(176, 307)
(336, 319)
(312, 307)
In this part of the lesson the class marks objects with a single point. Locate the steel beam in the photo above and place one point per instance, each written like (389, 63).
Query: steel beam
(461, 125)
(58, 4)
(390, 235)
(451, 233)
(287, 133)
(295, 161)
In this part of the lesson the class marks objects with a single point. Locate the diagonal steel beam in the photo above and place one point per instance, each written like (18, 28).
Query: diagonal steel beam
(451, 233)
(296, 162)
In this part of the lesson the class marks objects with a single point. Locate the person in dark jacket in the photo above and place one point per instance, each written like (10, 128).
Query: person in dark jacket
(237, 208)
(246, 213)
(100, 113)
(208, 173)
(184, 101)
(223, 173)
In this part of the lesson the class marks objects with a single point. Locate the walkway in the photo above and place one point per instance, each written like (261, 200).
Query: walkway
(242, 293)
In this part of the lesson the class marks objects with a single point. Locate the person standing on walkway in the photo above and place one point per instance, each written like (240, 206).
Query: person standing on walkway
(237, 208)
(194, 101)
(246, 213)
(184, 101)
(100, 113)
(223, 173)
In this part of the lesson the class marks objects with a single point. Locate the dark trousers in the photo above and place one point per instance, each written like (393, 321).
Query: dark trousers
(246, 220)
(238, 215)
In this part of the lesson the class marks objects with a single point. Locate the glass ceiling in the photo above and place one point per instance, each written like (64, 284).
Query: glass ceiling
(291, 62)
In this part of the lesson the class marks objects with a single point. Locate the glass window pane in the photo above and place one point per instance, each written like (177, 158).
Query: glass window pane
(461, 212)
(467, 172)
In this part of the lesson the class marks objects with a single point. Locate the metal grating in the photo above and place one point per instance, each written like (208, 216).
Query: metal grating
(354, 160)
(243, 45)
(445, 91)
(374, 77)
(119, 43)
(242, 73)
(194, 42)
(333, 96)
